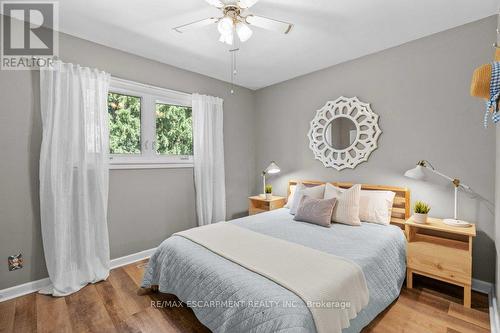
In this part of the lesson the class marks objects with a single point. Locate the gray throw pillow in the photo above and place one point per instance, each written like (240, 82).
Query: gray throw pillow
(317, 211)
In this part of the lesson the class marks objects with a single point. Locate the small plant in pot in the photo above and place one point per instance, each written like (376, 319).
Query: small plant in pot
(269, 192)
(421, 209)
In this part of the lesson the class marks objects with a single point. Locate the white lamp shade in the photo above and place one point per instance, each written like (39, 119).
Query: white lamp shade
(272, 168)
(228, 38)
(226, 29)
(225, 26)
(243, 31)
(416, 173)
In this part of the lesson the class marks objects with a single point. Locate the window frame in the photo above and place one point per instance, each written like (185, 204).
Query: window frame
(149, 95)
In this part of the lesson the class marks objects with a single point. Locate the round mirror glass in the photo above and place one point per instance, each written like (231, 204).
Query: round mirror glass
(340, 133)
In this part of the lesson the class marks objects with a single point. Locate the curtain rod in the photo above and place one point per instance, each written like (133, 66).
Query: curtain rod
(145, 85)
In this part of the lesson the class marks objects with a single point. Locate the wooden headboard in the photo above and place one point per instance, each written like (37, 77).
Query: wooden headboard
(400, 208)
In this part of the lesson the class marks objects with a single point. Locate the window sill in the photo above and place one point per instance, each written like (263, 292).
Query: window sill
(137, 166)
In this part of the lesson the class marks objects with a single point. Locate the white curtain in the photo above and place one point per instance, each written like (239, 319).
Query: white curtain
(209, 159)
(74, 176)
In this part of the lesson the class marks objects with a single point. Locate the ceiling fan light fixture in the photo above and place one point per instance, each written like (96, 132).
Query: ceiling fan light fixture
(243, 31)
(225, 25)
(227, 38)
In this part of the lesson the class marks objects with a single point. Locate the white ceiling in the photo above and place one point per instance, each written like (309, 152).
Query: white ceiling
(325, 33)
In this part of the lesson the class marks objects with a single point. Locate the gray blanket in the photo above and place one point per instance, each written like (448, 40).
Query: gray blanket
(229, 298)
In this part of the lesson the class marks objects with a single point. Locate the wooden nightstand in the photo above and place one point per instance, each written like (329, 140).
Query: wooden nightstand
(258, 204)
(441, 252)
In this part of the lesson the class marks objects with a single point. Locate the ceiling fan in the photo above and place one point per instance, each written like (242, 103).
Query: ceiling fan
(234, 21)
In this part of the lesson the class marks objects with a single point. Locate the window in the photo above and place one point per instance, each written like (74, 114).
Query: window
(174, 130)
(124, 124)
(149, 127)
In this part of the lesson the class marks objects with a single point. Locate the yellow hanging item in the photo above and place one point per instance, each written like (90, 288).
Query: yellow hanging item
(481, 78)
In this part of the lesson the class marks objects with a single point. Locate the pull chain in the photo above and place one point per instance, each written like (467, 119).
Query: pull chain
(234, 70)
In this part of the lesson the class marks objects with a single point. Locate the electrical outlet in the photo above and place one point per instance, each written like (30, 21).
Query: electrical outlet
(16, 262)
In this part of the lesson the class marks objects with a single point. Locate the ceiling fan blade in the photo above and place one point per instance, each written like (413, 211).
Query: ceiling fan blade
(246, 3)
(196, 25)
(269, 24)
(216, 3)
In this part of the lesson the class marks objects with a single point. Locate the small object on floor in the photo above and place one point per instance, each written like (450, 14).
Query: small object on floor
(146, 291)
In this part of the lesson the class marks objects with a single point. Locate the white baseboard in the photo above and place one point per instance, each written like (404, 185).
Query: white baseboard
(23, 289)
(494, 316)
(482, 286)
(489, 288)
(34, 286)
(122, 261)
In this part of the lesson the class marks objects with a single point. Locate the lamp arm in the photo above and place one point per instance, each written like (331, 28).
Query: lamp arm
(441, 174)
(456, 182)
(468, 188)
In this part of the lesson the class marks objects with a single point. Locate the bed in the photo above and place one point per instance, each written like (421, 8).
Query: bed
(227, 297)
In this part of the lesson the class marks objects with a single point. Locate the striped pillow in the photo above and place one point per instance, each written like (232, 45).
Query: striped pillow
(346, 210)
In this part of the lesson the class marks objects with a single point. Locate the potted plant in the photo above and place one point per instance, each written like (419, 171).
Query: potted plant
(421, 209)
(269, 192)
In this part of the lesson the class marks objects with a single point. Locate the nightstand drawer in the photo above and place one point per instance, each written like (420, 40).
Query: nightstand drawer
(450, 264)
(258, 204)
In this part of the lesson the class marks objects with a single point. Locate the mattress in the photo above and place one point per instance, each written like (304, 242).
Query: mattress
(226, 297)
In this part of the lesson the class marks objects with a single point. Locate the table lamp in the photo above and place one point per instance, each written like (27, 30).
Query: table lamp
(419, 174)
(271, 169)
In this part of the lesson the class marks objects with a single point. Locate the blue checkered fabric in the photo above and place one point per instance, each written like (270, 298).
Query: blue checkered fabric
(494, 94)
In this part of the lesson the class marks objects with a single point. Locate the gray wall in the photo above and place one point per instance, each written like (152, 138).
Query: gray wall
(145, 206)
(421, 92)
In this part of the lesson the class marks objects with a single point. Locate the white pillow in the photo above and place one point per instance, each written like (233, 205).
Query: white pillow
(316, 192)
(376, 206)
(290, 197)
(346, 210)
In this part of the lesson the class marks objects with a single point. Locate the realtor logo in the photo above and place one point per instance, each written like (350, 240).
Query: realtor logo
(29, 34)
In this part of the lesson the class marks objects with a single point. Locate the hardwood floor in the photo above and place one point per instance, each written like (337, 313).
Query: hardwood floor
(115, 306)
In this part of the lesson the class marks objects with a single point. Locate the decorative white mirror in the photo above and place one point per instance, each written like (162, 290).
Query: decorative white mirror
(343, 133)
